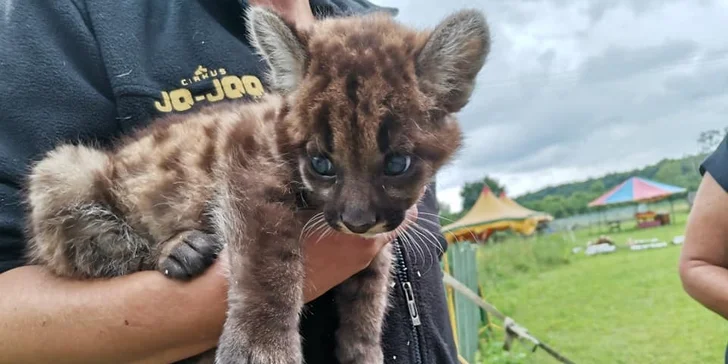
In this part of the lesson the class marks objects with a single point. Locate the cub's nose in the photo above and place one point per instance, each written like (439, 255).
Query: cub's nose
(358, 221)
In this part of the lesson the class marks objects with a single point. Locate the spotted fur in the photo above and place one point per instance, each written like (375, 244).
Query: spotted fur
(355, 91)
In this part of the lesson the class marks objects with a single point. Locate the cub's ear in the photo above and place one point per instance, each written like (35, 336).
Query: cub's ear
(277, 42)
(452, 57)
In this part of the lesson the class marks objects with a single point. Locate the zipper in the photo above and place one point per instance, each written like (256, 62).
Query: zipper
(411, 304)
(409, 294)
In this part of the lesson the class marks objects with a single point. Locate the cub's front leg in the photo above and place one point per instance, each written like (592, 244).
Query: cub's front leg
(265, 277)
(362, 302)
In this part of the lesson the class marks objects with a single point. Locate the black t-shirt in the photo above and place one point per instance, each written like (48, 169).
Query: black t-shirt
(717, 164)
(93, 70)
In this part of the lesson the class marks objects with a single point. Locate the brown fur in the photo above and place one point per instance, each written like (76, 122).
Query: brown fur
(360, 91)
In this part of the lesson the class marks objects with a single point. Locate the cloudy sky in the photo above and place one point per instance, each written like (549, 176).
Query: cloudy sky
(579, 88)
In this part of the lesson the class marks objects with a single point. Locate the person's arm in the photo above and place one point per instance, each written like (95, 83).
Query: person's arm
(143, 317)
(704, 259)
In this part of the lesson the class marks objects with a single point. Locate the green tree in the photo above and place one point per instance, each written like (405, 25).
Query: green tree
(555, 205)
(708, 140)
(669, 172)
(471, 190)
(597, 187)
(577, 202)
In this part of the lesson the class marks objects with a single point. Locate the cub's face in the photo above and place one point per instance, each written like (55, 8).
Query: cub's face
(371, 105)
(366, 171)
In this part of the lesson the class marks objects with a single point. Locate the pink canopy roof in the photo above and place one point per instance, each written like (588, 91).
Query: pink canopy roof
(636, 189)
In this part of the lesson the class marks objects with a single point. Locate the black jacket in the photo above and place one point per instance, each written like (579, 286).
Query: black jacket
(92, 70)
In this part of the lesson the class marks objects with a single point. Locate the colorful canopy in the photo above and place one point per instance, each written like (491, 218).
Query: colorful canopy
(489, 214)
(636, 189)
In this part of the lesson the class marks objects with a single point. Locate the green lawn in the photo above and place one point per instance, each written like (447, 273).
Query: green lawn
(625, 307)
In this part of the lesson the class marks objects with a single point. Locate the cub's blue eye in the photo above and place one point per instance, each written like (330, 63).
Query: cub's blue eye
(322, 166)
(396, 164)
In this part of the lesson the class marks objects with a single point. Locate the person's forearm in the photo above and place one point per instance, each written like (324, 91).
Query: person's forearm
(707, 284)
(143, 318)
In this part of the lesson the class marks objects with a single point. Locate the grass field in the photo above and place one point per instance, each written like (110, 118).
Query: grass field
(624, 307)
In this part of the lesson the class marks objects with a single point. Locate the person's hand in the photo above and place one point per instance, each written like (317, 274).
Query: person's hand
(332, 258)
(297, 12)
(329, 259)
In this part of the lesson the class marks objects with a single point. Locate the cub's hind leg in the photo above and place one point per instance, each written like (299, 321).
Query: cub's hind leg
(73, 226)
(76, 229)
(188, 254)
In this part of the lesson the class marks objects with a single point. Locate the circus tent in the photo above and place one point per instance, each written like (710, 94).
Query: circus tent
(540, 216)
(490, 214)
(636, 189)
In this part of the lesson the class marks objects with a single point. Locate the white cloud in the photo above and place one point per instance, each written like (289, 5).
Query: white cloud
(576, 89)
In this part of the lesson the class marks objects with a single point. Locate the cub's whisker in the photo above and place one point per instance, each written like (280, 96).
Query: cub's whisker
(423, 238)
(432, 241)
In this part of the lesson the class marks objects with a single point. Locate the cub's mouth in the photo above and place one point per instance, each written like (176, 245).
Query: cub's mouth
(383, 229)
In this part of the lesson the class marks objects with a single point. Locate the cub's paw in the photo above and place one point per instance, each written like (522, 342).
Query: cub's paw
(232, 351)
(251, 357)
(188, 254)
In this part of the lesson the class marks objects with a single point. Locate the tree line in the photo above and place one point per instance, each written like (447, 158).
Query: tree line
(572, 198)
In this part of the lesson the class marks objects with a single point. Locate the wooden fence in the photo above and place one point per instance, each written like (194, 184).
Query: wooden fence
(466, 317)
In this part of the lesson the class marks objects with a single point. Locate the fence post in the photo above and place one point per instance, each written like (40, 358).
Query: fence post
(461, 262)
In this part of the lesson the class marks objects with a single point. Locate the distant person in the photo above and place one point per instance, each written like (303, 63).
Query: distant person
(704, 259)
